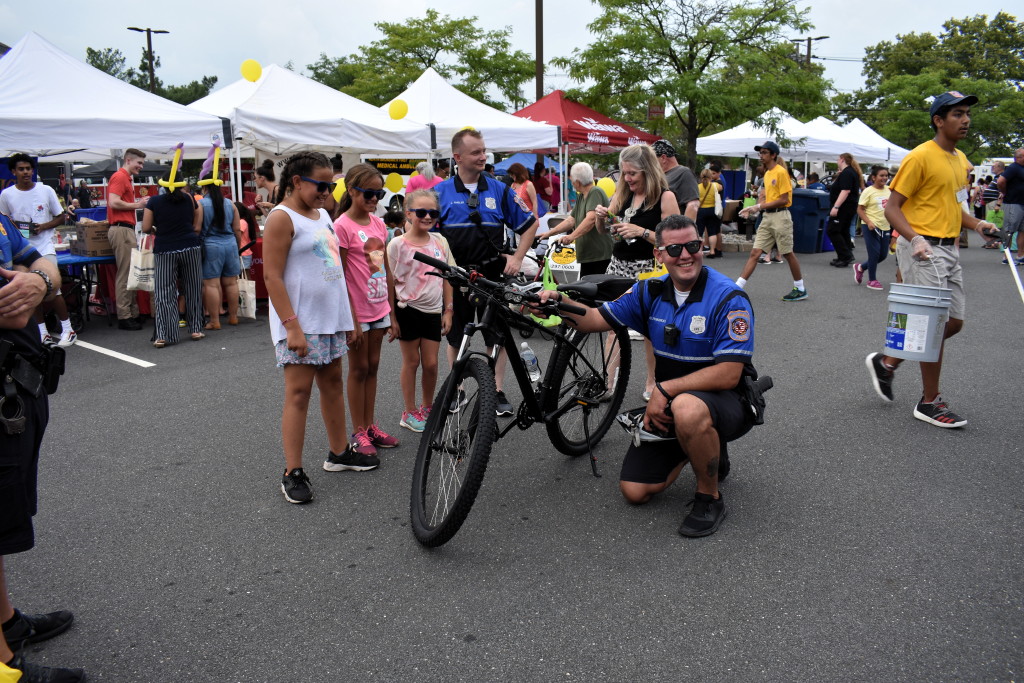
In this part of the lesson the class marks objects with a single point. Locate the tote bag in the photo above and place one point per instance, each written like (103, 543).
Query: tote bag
(142, 273)
(246, 296)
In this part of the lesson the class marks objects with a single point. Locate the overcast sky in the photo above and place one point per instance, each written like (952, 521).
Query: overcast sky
(213, 38)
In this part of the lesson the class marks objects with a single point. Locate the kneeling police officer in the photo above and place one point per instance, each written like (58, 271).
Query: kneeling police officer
(702, 328)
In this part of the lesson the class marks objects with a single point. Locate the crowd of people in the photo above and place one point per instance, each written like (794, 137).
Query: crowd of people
(341, 279)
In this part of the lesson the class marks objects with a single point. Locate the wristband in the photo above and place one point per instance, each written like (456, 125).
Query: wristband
(288, 320)
(46, 279)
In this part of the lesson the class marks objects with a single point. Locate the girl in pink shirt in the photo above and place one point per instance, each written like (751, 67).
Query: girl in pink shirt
(422, 303)
(362, 237)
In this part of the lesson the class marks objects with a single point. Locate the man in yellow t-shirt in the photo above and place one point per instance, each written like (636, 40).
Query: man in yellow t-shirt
(777, 225)
(926, 209)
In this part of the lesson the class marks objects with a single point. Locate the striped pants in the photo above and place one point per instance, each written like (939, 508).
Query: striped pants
(185, 266)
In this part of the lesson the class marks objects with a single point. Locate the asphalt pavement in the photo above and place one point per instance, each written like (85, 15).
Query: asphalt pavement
(861, 544)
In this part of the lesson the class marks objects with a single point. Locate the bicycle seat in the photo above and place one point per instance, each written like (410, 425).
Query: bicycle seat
(599, 287)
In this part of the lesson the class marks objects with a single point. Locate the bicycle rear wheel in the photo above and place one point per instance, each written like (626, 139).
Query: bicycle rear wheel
(589, 380)
(453, 453)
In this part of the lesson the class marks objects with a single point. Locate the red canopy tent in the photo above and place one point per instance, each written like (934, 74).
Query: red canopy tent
(583, 129)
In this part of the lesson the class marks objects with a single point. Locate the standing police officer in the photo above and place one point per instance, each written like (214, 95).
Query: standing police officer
(702, 328)
(475, 208)
(23, 416)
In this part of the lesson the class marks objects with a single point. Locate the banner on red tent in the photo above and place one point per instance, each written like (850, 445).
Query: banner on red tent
(583, 128)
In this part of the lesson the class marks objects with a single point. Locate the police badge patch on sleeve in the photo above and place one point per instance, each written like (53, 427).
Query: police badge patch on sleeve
(519, 200)
(739, 326)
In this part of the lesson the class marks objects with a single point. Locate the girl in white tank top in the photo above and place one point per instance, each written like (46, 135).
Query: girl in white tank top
(310, 318)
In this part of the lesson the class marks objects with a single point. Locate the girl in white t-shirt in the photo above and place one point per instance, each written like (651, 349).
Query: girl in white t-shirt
(422, 303)
(310, 318)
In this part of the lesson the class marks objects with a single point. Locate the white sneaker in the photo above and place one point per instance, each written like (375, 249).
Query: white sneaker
(46, 339)
(68, 338)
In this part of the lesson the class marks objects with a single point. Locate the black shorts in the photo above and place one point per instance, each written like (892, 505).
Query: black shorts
(464, 312)
(19, 464)
(414, 324)
(652, 462)
(708, 222)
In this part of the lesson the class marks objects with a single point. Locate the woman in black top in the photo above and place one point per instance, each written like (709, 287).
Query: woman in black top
(843, 194)
(177, 220)
(641, 201)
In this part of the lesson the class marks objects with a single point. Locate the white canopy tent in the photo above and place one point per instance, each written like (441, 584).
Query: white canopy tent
(57, 107)
(740, 141)
(284, 112)
(859, 130)
(433, 101)
(829, 139)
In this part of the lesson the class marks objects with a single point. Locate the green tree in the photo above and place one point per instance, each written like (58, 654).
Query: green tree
(714, 63)
(112, 61)
(974, 55)
(475, 61)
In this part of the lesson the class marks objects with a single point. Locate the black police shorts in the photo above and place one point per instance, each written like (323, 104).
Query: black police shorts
(465, 312)
(414, 324)
(652, 462)
(19, 464)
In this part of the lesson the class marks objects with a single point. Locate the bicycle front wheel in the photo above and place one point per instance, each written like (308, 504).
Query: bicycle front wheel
(588, 381)
(453, 453)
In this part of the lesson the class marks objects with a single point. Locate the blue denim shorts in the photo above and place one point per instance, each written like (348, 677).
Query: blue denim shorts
(221, 260)
(380, 324)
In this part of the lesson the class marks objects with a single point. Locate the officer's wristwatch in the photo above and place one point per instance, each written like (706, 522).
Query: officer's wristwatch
(46, 279)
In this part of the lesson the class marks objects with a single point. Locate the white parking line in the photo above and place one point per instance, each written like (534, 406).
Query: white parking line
(116, 354)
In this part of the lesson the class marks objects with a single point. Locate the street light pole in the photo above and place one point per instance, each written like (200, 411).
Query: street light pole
(149, 51)
(809, 41)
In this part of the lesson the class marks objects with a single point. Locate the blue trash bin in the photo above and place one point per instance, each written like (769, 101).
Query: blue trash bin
(810, 214)
(97, 214)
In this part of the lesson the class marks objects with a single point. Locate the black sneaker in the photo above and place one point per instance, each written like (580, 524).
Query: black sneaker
(502, 408)
(34, 673)
(724, 466)
(705, 516)
(458, 402)
(938, 414)
(350, 459)
(296, 487)
(881, 376)
(34, 628)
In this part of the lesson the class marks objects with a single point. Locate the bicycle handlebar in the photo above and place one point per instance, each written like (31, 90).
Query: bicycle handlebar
(508, 294)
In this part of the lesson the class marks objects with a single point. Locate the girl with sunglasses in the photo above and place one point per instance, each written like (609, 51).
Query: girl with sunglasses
(363, 236)
(422, 303)
(310, 318)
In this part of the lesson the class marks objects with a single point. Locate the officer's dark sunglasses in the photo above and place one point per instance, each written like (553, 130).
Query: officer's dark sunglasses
(370, 195)
(674, 250)
(423, 213)
(321, 186)
(474, 202)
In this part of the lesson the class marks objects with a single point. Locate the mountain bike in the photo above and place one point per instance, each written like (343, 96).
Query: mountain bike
(577, 399)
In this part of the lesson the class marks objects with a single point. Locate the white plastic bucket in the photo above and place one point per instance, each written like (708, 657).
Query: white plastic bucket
(917, 321)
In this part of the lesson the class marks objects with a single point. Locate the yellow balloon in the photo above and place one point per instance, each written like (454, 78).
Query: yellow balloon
(393, 182)
(414, 174)
(608, 185)
(398, 109)
(339, 190)
(251, 70)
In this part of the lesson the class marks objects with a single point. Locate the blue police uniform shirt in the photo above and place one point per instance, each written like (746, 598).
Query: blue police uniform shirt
(715, 324)
(472, 242)
(16, 249)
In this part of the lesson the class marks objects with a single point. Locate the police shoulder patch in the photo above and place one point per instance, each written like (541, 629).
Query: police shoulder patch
(739, 325)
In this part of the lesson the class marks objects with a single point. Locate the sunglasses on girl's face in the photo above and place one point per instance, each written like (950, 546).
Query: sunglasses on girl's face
(370, 195)
(321, 186)
(674, 250)
(423, 213)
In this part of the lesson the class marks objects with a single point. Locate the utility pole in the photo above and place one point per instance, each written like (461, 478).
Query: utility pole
(149, 51)
(809, 40)
(539, 67)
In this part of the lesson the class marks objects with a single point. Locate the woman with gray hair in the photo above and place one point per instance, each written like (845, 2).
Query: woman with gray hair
(593, 243)
(426, 180)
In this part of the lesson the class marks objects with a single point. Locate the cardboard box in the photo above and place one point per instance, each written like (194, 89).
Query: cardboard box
(91, 240)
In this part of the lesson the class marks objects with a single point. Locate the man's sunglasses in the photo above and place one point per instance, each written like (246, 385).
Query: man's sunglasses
(423, 213)
(321, 186)
(674, 250)
(370, 195)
